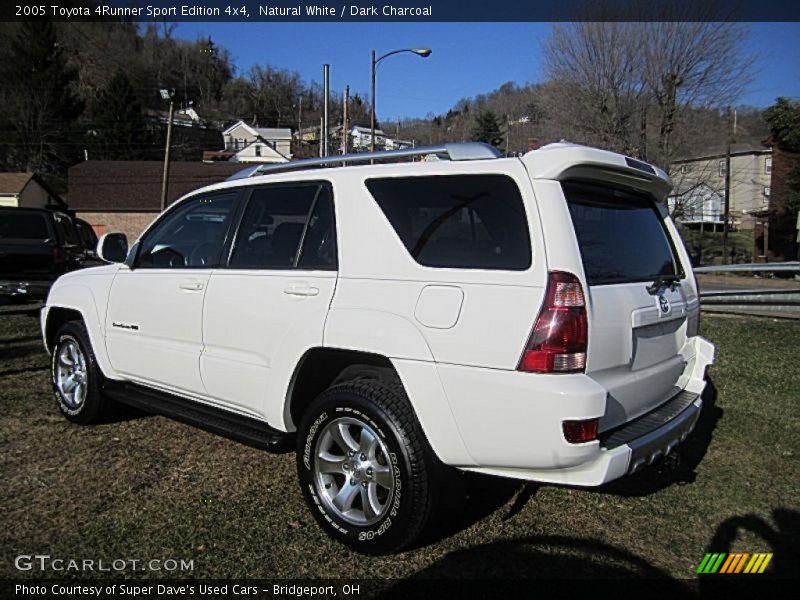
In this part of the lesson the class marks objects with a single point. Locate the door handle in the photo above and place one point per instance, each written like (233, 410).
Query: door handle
(301, 290)
(192, 286)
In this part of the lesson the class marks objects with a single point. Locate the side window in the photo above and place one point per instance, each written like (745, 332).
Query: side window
(66, 229)
(272, 227)
(191, 236)
(86, 234)
(319, 243)
(457, 221)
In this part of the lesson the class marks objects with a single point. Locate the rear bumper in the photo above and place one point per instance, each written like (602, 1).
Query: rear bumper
(33, 290)
(520, 435)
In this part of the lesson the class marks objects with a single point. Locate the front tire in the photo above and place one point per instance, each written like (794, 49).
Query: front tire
(76, 376)
(364, 466)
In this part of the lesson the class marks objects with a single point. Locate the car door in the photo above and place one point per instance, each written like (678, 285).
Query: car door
(268, 305)
(154, 317)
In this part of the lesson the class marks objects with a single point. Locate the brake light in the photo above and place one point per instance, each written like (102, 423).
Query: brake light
(58, 255)
(580, 432)
(558, 341)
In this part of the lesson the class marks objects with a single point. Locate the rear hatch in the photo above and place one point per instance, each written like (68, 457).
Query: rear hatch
(635, 333)
(27, 246)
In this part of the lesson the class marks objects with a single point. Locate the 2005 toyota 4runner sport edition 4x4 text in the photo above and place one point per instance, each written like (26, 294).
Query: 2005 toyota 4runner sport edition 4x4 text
(533, 317)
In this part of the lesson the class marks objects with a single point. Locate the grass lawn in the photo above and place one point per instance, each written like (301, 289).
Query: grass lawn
(146, 487)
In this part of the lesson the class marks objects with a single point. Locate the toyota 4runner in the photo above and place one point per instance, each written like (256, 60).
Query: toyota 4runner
(533, 318)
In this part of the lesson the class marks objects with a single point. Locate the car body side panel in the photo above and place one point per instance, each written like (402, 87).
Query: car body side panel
(87, 291)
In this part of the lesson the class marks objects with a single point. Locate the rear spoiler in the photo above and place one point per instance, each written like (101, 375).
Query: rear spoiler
(564, 161)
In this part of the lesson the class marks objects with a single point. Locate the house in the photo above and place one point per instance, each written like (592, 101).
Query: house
(393, 144)
(697, 204)
(243, 143)
(751, 168)
(125, 196)
(361, 137)
(778, 224)
(28, 190)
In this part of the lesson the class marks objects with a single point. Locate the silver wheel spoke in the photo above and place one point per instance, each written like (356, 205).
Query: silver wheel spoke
(328, 463)
(344, 499)
(341, 435)
(68, 384)
(64, 360)
(80, 393)
(368, 443)
(383, 477)
(370, 502)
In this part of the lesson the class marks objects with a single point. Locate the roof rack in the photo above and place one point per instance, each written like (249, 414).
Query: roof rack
(454, 151)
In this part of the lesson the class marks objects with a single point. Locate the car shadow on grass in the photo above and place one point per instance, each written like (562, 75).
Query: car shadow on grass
(465, 498)
(680, 468)
(556, 563)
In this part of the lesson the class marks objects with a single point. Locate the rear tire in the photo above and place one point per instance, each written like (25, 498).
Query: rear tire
(77, 380)
(364, 466)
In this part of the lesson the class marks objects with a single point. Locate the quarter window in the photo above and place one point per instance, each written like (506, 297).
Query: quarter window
(190, 236)
(457, 221)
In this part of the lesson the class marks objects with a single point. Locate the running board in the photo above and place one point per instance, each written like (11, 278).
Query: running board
(251, 432)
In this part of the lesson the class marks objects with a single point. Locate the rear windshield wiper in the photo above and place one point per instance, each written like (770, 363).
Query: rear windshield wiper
(669, 281)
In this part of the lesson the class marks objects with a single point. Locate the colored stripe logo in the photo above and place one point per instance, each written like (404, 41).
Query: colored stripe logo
(735, 562)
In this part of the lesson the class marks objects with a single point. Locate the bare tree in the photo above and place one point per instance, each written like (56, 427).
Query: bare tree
(691, 64)
(596, 69)
(612, 76)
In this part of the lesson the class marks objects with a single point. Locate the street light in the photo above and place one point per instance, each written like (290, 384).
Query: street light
(167, 95)
(423, 52)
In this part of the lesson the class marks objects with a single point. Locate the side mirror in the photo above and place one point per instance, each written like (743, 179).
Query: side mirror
(113, 247)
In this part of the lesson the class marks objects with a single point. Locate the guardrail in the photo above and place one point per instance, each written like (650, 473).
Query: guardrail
(762, 299)
(751, 268)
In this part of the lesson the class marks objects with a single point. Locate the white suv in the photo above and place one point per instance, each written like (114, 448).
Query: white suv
(534, 318)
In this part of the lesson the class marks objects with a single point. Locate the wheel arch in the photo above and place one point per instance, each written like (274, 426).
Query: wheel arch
(57, 315)
(321, 367)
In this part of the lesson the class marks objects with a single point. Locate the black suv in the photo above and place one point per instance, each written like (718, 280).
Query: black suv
(38, 245)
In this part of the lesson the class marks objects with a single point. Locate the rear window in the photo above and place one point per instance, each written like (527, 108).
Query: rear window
(457, 221)
(24, 226)
(621, 236)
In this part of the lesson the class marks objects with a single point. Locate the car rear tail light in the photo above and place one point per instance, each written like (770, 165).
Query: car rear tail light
(580, 432)
(557, 343)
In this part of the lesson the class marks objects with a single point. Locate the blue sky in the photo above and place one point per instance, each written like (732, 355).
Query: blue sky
(467, 59)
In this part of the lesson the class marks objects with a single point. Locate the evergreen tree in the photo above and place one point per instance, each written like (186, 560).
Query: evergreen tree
(118, 130)
(783, 119)
(487, 129)
(40, 107)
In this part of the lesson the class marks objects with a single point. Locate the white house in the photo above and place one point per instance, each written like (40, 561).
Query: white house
(695, 202)
(751, 172)
(360, 138)
(257, 144)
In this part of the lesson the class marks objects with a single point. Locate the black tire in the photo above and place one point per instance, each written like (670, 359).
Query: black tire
(92, 404)
(383, 409)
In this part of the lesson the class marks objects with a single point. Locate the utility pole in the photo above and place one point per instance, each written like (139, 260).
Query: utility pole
(326, 75)
(725, 258)
(372, 108)
(345, 104)
(643, 137)
(167, 95)
(300, 119)
(508, 132)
